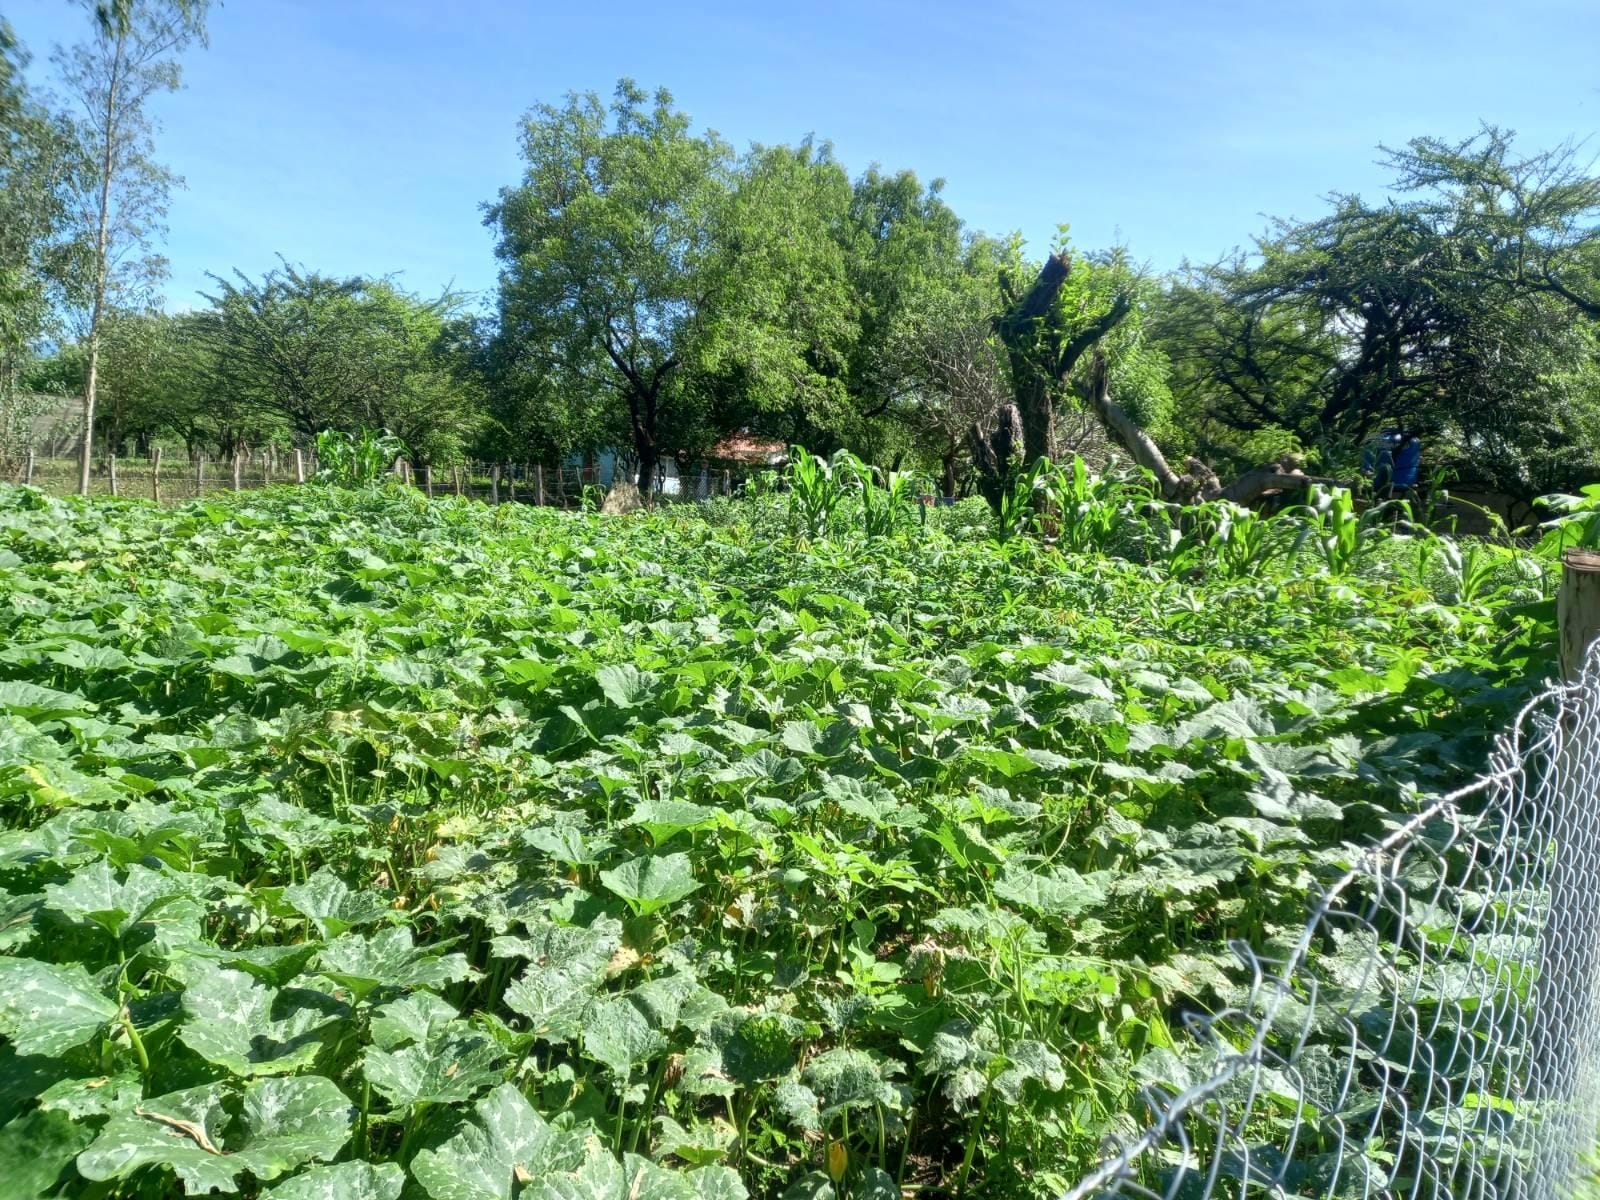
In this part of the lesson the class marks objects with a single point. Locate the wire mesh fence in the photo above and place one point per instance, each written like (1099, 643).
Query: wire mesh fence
(1434, 1028)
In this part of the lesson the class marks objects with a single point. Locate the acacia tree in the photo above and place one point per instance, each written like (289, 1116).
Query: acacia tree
(129, 58)
(608, 276)
(942, 364)
(316, 352)
(1464, 306)
(1079, 313)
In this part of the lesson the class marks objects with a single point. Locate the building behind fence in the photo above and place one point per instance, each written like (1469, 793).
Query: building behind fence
(1432, 1031)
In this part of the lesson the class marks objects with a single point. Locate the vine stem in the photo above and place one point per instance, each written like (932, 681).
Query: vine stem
(959, 1188)
(137, 1042)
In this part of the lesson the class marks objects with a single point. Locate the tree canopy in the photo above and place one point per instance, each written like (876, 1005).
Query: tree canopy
(660, 289)
(1464, 306)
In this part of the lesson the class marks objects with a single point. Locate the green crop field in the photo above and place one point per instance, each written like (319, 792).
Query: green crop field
(354, 845)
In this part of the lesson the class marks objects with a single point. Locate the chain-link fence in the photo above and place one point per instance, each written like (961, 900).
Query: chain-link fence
(1433, 1030)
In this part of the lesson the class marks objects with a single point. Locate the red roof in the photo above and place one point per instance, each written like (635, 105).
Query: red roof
(748, 448)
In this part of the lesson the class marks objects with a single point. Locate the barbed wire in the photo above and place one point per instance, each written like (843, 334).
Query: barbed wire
(1433, 1030)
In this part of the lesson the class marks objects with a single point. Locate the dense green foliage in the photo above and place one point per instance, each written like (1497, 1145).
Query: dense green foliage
(1463, 305)
(352, 839)
(660, 289)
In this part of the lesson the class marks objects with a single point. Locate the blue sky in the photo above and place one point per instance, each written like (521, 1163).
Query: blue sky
(360, 136)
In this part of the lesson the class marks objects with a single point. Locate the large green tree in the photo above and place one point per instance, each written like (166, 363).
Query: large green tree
(776, 343)
(318, 352)
(37, 253)
(608, 255)
(1463, 306)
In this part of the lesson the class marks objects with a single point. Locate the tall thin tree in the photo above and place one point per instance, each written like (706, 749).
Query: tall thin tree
(130, 56)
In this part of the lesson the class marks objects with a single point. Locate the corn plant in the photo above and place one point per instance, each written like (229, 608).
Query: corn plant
(814, 493)
(1091, 512)
(1576, 524)
(356, 460)
(886, 509)
(1341, 533)
(1019, 502)
(1228, 541)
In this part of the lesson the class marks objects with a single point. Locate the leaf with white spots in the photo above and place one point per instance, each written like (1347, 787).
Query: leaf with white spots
(46, 1008)
(505, 1143)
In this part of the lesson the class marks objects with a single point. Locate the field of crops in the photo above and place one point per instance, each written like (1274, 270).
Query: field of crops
(353, 845)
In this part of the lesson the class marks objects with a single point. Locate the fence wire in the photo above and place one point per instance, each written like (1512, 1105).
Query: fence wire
(1434, 1029)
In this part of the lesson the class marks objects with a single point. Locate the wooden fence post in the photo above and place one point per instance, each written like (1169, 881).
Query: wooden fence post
(299, 466)
(494, 484)
(455, 474)
(538, 483)
(155, 475)
(1578, 610)
(199, 475)
(238, 469)
(111, 471)
(727, 482)
(427, 479)
(268, 457)
(511, 482)
(28, 476)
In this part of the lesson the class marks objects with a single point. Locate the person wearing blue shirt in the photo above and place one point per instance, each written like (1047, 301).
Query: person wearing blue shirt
(1407, 461)
(1394, 462)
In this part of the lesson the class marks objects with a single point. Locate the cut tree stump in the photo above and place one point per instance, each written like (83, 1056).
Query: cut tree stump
(1578, 610)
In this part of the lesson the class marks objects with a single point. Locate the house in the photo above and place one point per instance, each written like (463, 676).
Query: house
(689, 474)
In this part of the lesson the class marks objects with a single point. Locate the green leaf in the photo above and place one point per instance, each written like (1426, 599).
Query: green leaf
(617, 1033)
(504, 1143)
(228, 1021)
(1029, 1060)
(35, 1148)
(25, 1076)
(652, 882)
(418, 1017)
(49, 1009)
(1063, 892)
(343, 1181)
(665, 819)
(332, 907)
(39, 703)
(567, 966)
(448, 1070)
(99, 1096)
(94, 895)
(1076, 681)
(284, 1123)
(598, 1177)
(388, 958)
(625, 685)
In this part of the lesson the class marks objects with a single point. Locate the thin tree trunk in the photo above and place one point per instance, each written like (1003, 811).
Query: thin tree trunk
(102, 233)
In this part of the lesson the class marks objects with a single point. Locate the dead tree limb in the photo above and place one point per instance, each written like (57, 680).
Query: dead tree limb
(1198, 482)
(993, 451)
(1040, 353)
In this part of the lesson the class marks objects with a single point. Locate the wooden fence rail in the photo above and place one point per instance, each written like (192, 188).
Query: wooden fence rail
(533, 484)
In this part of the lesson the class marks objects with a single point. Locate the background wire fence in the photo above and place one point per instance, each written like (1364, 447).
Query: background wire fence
(1433, 1029)
(178, 478)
